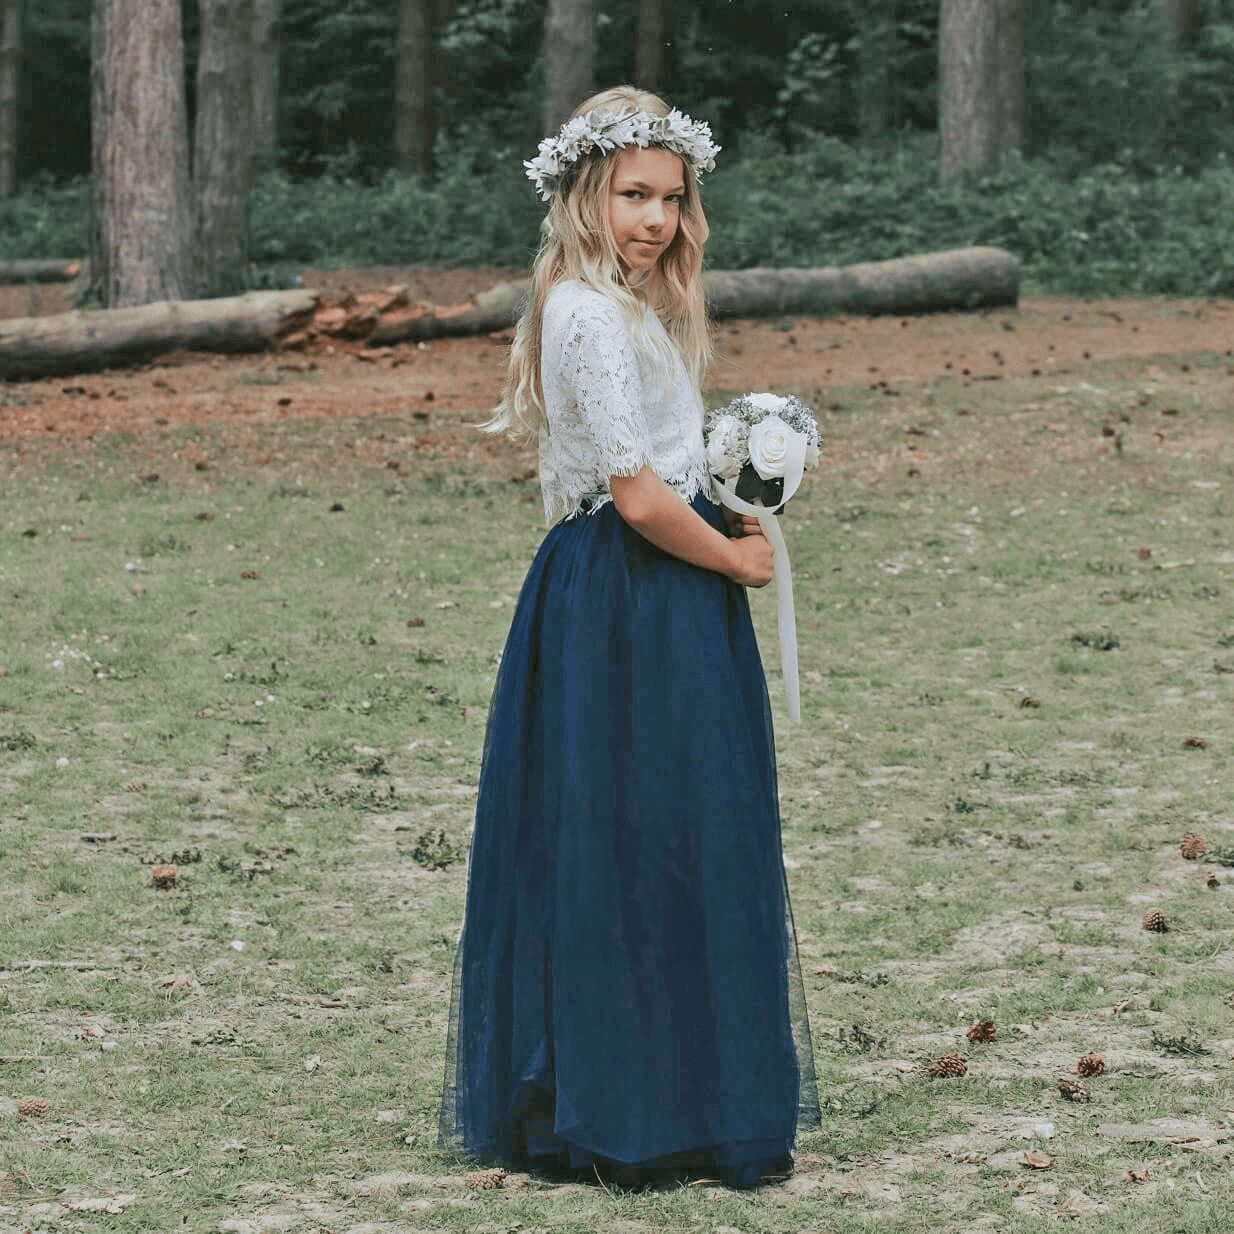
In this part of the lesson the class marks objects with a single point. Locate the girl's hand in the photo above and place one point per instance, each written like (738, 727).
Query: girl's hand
(755, 561)
(742, 524)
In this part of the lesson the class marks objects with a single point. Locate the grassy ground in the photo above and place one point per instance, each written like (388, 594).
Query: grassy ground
(1014, 608)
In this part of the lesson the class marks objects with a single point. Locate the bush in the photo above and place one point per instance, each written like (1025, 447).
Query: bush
(1109, 231)
(46, 219)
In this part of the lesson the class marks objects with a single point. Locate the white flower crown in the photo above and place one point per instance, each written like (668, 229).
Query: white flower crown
(603, 131)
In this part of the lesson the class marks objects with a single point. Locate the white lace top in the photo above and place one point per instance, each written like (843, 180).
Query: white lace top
(608, 411)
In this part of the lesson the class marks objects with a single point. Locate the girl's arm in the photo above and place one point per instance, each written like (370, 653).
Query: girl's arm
(658, 514)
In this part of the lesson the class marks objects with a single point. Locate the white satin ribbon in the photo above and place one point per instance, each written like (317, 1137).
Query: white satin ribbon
(794, 467)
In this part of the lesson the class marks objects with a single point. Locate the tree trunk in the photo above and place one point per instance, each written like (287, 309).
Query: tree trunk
(40, 270)
(653, 46)
(415, 112)
(567, 59)
(962, 279)
(10, 71)
(224, 150)
(32, 347)
(876, 44)
(265, 80)
(959, 279)
(143, 220)
(1185, 17)
(982, 82)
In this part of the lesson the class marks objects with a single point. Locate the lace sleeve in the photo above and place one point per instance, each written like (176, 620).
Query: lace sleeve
(608, 388)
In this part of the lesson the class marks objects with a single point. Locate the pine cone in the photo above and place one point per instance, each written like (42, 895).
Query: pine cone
(948, 1065)
(1155, 920)
(135, 786)
(1192, 845)
(1090, 1064)
(983, 1030)
(164, 876)
(1073, 1090)
(485, 1180)
(32, 1107)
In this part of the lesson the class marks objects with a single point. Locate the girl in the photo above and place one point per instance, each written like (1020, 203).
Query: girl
(626, 995)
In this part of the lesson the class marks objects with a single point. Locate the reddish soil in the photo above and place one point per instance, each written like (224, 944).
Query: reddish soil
(451, 381)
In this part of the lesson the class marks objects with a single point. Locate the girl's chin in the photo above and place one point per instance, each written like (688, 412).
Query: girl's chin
(642, 263)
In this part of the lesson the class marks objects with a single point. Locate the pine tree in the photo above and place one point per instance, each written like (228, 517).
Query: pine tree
(139, 140)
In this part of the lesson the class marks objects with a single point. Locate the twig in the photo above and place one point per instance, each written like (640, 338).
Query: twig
(28, 966)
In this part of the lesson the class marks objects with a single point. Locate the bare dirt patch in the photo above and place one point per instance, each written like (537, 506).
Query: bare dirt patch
(452, 379)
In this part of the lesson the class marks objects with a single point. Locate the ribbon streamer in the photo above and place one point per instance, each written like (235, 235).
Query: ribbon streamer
(794, 467)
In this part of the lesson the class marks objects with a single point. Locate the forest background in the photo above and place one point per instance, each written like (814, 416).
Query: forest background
(829, 111)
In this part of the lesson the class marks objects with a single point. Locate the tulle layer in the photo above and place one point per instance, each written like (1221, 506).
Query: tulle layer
(626, 990)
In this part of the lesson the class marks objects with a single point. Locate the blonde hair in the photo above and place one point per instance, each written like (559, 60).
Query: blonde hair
(577, 243)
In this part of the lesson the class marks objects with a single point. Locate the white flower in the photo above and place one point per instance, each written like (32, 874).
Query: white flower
(769, 445)
(724, 453)
(773, 404)
(597, 130)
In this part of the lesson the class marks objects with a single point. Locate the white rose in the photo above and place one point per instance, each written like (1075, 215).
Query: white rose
(769, 442)
(724, 453)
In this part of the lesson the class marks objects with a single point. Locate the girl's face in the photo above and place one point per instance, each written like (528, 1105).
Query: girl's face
(644, 204)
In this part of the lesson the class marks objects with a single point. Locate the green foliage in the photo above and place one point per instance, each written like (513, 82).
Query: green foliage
(1110, 231)
(54, 99)
(336, 83)
(46, 219)
(1105, 84)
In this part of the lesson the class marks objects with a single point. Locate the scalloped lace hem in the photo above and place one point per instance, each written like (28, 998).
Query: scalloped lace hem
(561, 507)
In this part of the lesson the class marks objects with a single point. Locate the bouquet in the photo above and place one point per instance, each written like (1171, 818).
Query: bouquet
(758, 447)
(754, 440)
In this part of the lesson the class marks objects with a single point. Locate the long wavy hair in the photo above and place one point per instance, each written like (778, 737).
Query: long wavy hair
(577, 243)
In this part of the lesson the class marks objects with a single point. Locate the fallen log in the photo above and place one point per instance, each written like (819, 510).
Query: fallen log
(86, 341)
(958, 279)
(49, 270)
(81, 342)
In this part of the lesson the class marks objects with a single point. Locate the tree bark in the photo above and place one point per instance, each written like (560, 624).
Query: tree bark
(40, 270)
(568, 59)
(1185, 17)
(265, 80)
(224, 148)
(143, 220)
(83, 342)
(959, 279)
(653, 44)
(32, 347)
(415, 112)
(982, 82)
(10, 74)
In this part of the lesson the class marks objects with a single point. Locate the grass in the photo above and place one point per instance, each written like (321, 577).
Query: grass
(1009, 629)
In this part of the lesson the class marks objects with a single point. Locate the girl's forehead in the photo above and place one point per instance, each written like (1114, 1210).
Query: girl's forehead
(653, 166)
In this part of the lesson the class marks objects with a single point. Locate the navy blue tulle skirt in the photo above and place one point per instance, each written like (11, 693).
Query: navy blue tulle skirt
(626, 992)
